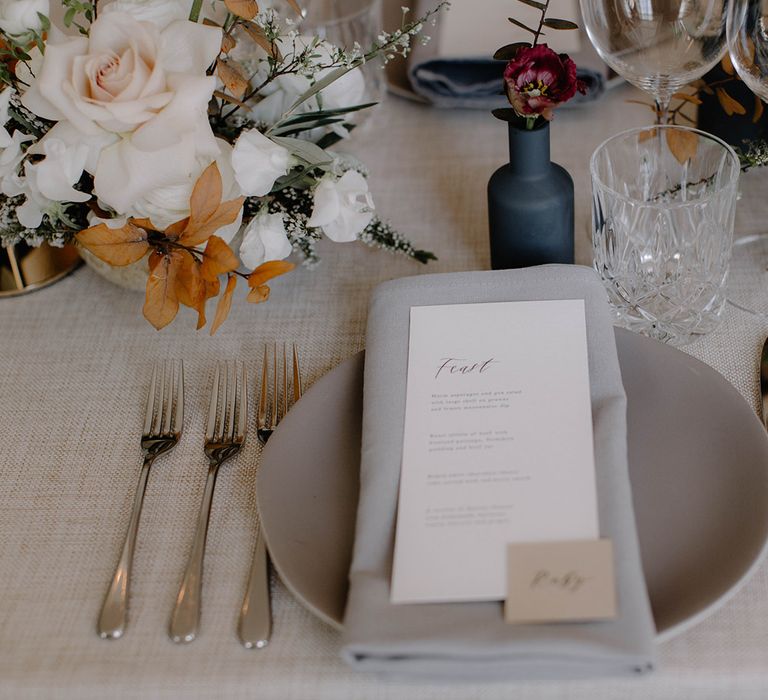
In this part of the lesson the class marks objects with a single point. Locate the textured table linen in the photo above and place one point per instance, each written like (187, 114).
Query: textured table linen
(472, 640)
(75, 362)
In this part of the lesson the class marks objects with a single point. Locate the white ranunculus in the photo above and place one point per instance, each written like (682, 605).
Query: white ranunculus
(22, 16)
(169, 204)
(265, 239)
(10, 158)
(5, 103)
(280, 94)
(258, 162)
(51, 181)
(138, 94)
(343, 206)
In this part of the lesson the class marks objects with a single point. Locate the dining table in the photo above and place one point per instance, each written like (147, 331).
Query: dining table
(75, 364)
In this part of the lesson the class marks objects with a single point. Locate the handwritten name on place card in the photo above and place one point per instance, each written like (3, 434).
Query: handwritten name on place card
(560, 581)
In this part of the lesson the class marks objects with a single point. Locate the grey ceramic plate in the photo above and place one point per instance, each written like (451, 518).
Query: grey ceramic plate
(698, 460)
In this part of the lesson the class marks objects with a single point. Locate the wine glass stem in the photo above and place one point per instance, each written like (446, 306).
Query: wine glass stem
(662, 110)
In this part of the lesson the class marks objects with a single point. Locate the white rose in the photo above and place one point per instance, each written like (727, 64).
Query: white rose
(167, 205)
(265, 239)
(280, 94)
(138, 95)
(51, 181)
(258, 162)
(22, 16)
(343, 206)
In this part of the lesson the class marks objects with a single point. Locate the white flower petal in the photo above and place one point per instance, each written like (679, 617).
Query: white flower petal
(258, 162)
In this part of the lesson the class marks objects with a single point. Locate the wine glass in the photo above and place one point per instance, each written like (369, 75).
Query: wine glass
(747, 31)
(657, 45)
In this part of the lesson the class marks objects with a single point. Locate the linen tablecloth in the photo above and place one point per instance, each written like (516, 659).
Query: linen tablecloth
(74, 367)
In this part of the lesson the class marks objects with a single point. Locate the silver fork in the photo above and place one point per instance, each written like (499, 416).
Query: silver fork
(163, 423)
(255, 625)
(224, 436)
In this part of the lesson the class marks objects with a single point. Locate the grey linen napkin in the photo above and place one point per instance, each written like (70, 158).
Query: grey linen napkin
(471, 640)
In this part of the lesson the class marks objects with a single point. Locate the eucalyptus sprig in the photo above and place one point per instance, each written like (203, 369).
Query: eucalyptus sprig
(508, 51)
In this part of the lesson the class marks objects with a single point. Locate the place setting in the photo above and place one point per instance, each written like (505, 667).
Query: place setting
(545, 471)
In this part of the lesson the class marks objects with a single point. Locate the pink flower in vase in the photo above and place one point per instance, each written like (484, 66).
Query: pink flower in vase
(537, 80)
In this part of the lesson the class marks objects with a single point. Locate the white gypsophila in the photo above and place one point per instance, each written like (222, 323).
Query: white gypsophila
(18, 17)
(280, 94)
(258, 162)
(48, 183)
(265, 239)
(343, 207)
(169, 204)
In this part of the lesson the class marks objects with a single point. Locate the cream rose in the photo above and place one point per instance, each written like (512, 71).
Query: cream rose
(137, 95)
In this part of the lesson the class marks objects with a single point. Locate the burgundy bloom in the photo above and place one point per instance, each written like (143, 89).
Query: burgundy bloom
(537, 80)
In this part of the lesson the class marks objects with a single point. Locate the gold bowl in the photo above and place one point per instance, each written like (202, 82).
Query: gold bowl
(24, 269)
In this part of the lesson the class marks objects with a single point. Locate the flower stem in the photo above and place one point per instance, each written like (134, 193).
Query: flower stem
(529, 122)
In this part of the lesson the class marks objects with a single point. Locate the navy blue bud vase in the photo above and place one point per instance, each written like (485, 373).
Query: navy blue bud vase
(530, 204)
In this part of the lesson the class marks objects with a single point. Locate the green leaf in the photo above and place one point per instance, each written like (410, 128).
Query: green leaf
(323, 114)
(521, 25)
(559, 24)
(69, 15)
(508, 52)
(306, 126)
(332, 77)
(306, 150)
(532, 3)
(506, 114)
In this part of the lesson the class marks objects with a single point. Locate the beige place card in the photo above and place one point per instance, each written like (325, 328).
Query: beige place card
(560, 581)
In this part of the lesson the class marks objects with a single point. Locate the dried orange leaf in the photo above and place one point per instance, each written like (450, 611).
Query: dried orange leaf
(258, 294)
(190, 286)
(161, 304)
(218, 258)
(758, 110)
(267, 271)
(224, 305)
(646, 134)
(116, 246)
(729, 105)
(231, 75)
(260, 38)
(686, 97)
(176, 229)
(727, 65)
(296, 7)
(229, 98)
(198, 231)
(206, 194)
(682, 144)
(245, 9)
(227, 43)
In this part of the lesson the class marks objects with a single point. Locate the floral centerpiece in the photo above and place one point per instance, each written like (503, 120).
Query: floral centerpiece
(163, 128)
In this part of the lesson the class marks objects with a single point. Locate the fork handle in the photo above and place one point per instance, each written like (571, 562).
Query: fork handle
(185, 619)
(255, 626)
(114, 611)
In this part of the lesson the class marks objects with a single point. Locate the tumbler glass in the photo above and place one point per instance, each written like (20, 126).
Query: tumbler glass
(663, 203)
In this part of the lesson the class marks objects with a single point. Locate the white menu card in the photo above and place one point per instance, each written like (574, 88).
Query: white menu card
(498, 444)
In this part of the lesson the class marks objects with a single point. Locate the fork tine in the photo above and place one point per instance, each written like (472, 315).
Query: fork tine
(178, 408)
(275, 417)
(170, 393)
(297, 388)
(157, 421)
(261, 415)
(242, 409)
(209, 432)
(285, 382)
(148, 418)
(232, 397)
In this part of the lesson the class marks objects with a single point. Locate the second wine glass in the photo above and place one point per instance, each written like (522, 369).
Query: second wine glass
(657, 45)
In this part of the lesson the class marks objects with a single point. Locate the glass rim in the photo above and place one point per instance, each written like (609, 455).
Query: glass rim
(731, 184)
